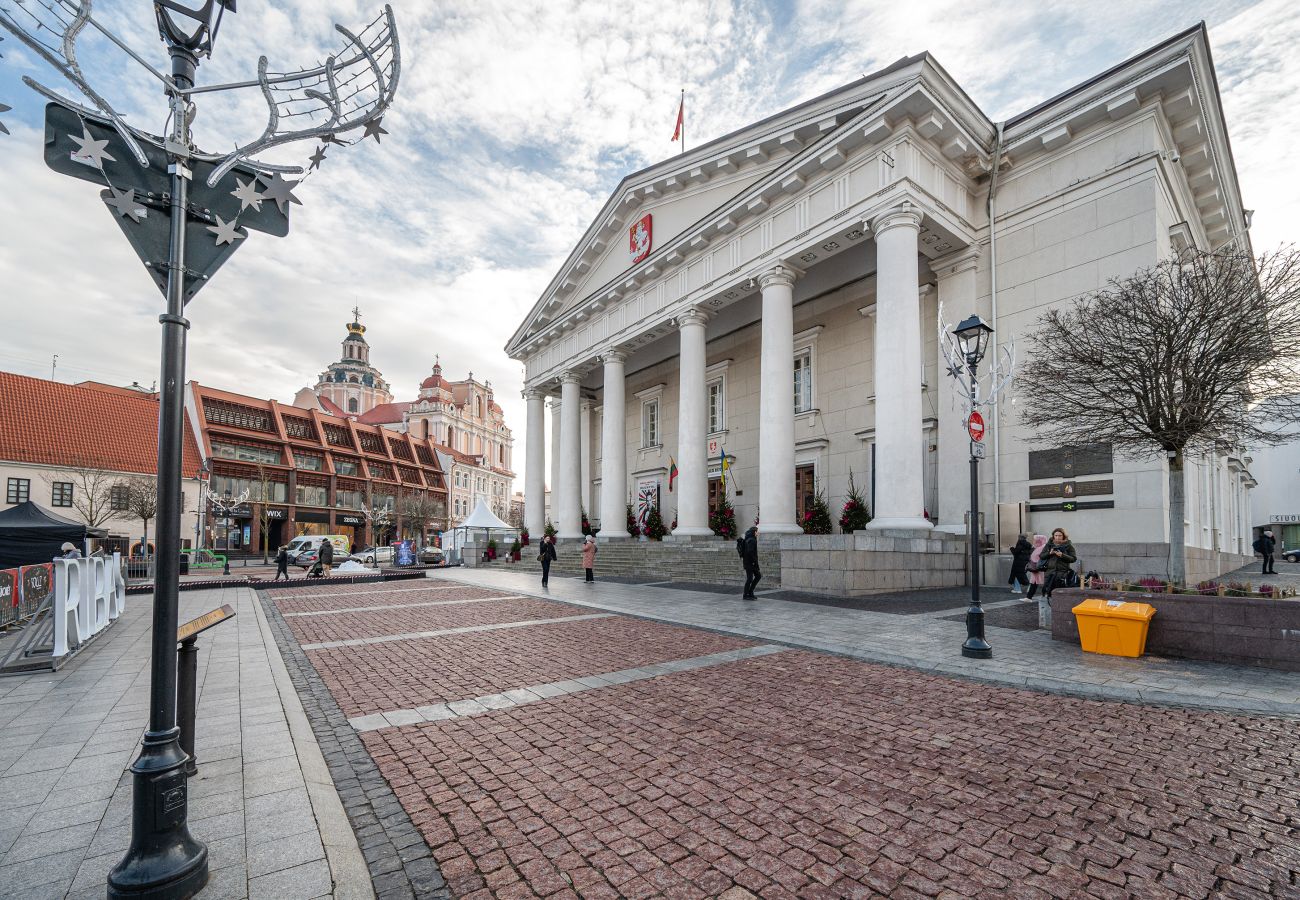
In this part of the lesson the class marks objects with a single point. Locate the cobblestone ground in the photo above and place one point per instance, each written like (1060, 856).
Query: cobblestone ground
(799, 774)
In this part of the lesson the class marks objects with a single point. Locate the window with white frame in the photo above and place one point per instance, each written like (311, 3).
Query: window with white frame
(650, 423)
(803, 381)
(717, 405)
(61, 493)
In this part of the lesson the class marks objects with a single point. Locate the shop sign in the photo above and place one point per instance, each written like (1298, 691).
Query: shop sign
(273, 513)
(351, 520)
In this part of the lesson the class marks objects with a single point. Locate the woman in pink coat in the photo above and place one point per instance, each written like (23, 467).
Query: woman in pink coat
(589, 557)
(1035, 578)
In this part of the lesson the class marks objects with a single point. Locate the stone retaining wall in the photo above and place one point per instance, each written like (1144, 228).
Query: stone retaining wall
(1246, 631)
(872, 562)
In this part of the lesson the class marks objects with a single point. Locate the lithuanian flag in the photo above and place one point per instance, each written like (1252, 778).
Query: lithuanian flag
(672, 473)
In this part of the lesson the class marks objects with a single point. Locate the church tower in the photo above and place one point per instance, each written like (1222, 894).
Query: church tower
(352, 383)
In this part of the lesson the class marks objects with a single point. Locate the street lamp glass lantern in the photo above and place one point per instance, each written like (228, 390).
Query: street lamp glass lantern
(973, 335)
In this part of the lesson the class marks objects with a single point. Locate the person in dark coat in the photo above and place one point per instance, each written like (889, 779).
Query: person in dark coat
(326, 555)
(546, 556)
(1264, 546)
(282, 564)
(1059, 555)
(749, 558)
(1020, 554)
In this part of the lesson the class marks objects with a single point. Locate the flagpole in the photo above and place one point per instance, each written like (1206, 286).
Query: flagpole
(683, 108)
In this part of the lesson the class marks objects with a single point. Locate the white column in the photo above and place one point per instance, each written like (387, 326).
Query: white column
(584, 441)
(956, 275)
(569, 524)
(553, 513)
(900, 484)
(776, 405)
(535, 464)
(692, 429)
(613, 449)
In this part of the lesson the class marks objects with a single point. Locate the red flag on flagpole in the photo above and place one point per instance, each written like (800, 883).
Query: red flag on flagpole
(681, 118)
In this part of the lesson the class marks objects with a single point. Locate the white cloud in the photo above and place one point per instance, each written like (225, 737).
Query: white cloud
(513, 123)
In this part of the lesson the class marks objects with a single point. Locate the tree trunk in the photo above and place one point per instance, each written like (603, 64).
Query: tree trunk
(144, 549)
(1177, 504)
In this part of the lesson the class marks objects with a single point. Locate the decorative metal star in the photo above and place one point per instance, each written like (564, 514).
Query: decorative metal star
(124, 203)
(280, 190)
(954, 371)
(247, 195)
(226, 232)
(4, 109)
(374, 128)
(317, 158)
(90, 150)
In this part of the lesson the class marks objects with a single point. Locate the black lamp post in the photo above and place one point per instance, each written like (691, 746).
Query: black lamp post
(973, 336)
(225, 508)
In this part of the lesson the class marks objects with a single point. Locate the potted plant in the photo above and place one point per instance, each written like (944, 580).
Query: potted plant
(516, 549)
(633, 529)
(654, 525)
(855, 515)
(722, 521)
(523, 538)
(549, 531)
(817, 516)
(492, 549)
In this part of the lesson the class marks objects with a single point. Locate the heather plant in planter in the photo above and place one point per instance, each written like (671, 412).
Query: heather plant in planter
(855, 515)
(817, 516)
(722, 521)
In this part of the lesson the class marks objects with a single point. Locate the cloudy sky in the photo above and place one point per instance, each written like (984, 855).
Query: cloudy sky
(513, 122)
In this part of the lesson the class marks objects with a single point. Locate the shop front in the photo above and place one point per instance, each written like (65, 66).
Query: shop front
(310, 522)
(352, 525)
(233, 531)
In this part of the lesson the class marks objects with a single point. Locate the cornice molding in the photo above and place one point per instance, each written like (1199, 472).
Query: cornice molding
(905, 215)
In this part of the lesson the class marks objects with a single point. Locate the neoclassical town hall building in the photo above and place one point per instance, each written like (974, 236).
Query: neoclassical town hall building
(776, 295)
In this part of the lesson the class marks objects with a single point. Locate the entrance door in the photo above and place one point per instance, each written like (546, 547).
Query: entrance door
(716, 494)
(805, 489)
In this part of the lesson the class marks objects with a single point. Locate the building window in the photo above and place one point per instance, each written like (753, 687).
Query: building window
(346, 466)
(717, 405)
(803, 381)
(246, 453)
(353, 406)
(18, 490)
(650, 423)
(311, 495)
(307, 461)
(61, 493)
(119, 497)
(349, 499)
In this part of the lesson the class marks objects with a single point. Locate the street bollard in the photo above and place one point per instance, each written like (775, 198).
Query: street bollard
(187, 667)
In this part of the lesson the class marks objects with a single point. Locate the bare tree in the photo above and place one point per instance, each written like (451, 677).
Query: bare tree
(264, 483)
(92, 491)
(378, 514)
(417, 508)
(142, 504)
(1199, 353)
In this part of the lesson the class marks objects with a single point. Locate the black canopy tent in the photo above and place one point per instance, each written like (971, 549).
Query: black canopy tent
(30, 535)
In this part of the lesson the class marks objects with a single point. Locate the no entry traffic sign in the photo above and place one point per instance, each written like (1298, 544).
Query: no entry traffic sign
(975, 425)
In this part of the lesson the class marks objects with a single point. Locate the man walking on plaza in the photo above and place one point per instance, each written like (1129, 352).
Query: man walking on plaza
(282, 564)
(1264, 546)
(749, 558)
(547, 556)
(326, 556)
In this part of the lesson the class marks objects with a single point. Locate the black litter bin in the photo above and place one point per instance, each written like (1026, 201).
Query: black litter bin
(185, 564)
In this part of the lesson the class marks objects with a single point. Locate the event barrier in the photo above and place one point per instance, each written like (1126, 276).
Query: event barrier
(62, 606)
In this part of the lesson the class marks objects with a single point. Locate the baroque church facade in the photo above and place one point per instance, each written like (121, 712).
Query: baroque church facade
(775, 297)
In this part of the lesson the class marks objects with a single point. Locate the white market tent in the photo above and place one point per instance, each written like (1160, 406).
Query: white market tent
(480, 523)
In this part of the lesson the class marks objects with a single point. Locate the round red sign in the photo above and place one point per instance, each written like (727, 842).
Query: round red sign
(975, 425)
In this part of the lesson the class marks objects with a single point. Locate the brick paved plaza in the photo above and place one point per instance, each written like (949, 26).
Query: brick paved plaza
(544, 749)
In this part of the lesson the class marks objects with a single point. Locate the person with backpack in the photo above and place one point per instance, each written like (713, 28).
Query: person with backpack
(1265, 545)
(747, 547)
(1020, 554)
(546, 555)
(326, 556)
(282, 564)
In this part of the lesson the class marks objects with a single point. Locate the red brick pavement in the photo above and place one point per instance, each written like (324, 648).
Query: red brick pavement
(418, 672)
(379, 622)
(307, 601)
(802, 775)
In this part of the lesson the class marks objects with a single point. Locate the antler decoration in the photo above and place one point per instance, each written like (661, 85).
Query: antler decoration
(351, 89)
(954, 361)
(64, 20)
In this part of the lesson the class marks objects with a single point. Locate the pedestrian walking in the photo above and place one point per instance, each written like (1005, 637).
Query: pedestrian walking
(1034, 568)
(282, 563)
(1059, 555)
(326, 556)
(547, 555)
(1264, 546)
(749, 558)
(589, 557)
(69, 551)
(1019, 560)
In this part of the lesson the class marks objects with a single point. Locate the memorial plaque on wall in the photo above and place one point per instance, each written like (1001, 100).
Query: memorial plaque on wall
(1071, 462)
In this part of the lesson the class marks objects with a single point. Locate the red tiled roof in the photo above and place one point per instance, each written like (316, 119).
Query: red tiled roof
(83, 425)
(331, 407)
(384, 413)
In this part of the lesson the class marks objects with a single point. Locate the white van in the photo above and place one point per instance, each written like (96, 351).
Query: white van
(303, 543)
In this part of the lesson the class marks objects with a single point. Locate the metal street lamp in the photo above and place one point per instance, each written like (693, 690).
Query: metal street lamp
(972, 337)
(225, 570)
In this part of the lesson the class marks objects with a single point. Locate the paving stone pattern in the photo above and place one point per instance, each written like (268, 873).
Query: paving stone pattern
(804, 775)
(400, 862)
(448, 614)
(411, 673)
(290, 602)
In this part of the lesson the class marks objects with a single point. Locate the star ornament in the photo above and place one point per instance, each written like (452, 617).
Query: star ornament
(4, 109)
(280, 190)
(125, 204)
(374, 128)
(247, 195)
(226, 232)
(317, 158)
(89, 150)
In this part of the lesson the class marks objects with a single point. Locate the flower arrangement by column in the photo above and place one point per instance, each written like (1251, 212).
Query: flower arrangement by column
(633, 529)
(523, 538)
(722, 521)
(855, 515)
(654, 525)
(549, 531)
(817, 516)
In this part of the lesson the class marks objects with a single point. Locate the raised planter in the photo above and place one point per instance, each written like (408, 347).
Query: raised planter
(1247, 631)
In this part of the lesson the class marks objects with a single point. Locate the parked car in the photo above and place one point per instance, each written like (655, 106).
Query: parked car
(431, 556)
(311, 542)
(373, 555)
(1292, 555)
